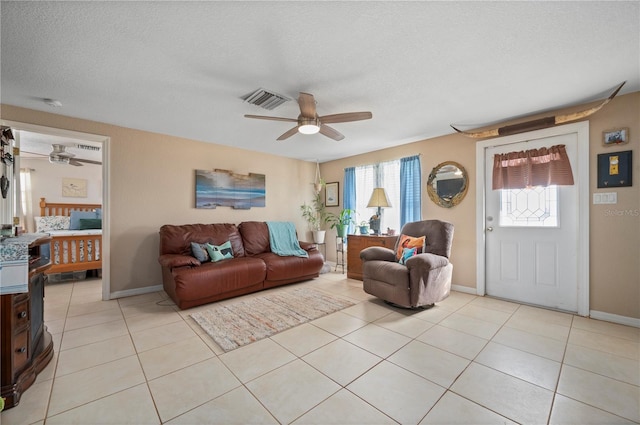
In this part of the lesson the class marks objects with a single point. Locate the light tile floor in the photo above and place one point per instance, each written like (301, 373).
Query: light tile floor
(468, 360)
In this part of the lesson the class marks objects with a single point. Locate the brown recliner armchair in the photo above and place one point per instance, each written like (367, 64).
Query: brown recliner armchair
(423, 280)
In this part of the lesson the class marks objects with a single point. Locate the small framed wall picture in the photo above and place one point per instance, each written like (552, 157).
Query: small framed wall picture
(74, 188)
(618, 136)
(331, 195)
(614, 169)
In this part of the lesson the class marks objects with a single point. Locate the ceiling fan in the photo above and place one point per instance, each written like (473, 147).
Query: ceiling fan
(59, 155)
(310, 123)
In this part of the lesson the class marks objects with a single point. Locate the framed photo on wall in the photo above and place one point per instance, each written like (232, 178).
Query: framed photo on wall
(619, 136)
(74, 188)
(332, 195)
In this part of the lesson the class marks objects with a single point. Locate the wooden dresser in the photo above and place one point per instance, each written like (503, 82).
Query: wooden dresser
(356, 243)
(26, 345)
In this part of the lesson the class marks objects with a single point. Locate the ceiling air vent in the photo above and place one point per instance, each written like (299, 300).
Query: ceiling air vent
(265, 99)
(87, 147)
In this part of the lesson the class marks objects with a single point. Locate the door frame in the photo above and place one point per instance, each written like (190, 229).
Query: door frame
(581, 175)
(106, 222)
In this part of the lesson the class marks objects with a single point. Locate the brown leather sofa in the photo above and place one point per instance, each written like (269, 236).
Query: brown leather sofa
(253, 267)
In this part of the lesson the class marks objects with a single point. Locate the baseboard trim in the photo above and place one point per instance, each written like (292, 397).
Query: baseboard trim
(136, 291)
(609, 317)
(465, 289)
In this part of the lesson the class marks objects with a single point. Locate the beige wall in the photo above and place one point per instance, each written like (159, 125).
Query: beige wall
(152, 183)
(614, 229)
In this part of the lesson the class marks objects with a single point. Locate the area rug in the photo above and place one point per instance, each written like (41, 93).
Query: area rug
(234, 325)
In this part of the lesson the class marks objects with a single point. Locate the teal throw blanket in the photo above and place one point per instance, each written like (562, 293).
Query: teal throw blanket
(282, 236)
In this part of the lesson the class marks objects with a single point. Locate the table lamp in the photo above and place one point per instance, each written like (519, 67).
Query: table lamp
(379, 200)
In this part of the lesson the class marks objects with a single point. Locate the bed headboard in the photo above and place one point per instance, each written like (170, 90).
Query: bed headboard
(49, 208)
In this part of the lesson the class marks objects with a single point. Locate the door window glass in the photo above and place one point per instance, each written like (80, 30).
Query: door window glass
(530, 207)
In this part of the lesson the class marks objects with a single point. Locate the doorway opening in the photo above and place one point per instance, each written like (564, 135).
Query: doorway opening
(81, 151)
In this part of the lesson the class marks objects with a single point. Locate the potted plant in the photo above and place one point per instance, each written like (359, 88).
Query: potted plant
(341, 221)
(316, 216)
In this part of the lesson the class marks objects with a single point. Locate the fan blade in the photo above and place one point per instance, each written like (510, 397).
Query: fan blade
(330, 132)
(346, 117)
(34, 153)
(307, 105)
(263, 117)
(87, 161)
(289, 133)
(75, 162)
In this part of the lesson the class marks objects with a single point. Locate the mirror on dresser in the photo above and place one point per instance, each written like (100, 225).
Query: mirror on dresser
(448, 184)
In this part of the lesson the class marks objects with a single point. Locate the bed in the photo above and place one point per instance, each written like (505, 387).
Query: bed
(72, 250)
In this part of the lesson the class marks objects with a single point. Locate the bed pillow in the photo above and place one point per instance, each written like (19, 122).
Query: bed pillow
(90, 223)
(410, 242)
(199, 250)
(99, 213)
(76, 216)
(52, 222)
(221, 252)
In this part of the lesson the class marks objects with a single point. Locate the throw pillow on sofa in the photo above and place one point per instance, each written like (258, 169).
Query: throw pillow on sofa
(199, 250)
(410, 242)
(220, 252)
(406, 254)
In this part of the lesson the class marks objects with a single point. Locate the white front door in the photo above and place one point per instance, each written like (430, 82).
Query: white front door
(532, 236)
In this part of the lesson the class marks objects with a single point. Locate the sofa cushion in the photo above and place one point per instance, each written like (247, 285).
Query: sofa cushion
(193, 283)
(286, 268)
(176, 239)
(255, 235)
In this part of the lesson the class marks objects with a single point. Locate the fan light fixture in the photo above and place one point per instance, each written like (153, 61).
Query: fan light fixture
(308, 122)
(309, 126)
(57, 159)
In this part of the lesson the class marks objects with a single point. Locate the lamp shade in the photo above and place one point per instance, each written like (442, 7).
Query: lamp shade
(379, 198)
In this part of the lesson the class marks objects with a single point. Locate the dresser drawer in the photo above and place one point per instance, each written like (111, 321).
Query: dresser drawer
(20, 350)
(387, 242)
(21, 314)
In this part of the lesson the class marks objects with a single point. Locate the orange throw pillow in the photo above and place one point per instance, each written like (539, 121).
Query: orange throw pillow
(410, 242)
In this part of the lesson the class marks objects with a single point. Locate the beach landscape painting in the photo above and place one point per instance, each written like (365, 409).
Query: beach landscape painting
(223, 188)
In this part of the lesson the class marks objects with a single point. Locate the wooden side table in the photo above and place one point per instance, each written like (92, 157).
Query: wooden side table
(359, 242)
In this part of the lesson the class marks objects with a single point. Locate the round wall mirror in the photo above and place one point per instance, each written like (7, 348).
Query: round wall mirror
(448, 184)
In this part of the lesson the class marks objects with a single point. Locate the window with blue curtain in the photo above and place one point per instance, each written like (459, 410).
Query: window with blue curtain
(401, 181)
(410, 194)
(349, 192)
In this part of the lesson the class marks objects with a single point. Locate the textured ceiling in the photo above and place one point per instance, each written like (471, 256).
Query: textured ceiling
(181, 68)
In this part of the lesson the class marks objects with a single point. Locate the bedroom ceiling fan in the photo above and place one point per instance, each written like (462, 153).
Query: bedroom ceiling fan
(310, 123)
(59, 155)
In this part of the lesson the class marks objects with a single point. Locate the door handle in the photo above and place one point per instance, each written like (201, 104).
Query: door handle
(489, 229)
